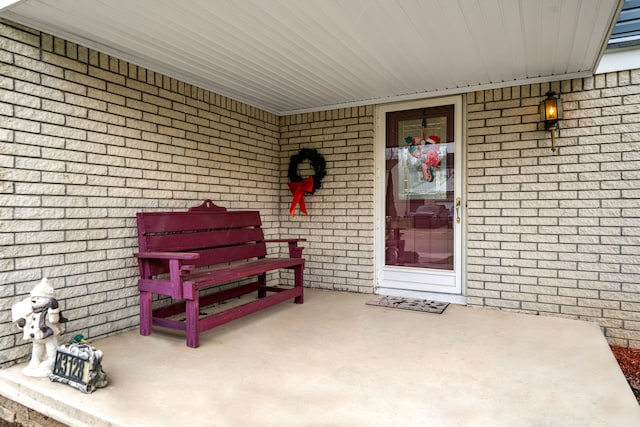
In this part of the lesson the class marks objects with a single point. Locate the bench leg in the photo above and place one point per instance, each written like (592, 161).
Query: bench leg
(299, 283)
(262, 283)
(192, 310)
(145, 313)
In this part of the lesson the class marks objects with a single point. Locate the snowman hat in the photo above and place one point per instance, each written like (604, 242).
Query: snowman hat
(433, 140)
(43, 289)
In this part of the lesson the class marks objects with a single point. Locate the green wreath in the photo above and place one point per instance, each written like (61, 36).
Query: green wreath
(318, 164)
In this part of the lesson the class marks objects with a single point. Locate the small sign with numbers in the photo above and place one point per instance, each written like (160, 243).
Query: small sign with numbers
(72, 367)
(79, 365)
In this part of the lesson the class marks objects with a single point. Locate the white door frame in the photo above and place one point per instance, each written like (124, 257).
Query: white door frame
(403, 281)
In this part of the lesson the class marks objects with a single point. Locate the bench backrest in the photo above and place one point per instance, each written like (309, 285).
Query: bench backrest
(220, 236)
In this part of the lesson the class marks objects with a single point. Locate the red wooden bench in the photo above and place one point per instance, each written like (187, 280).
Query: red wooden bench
(181, 253)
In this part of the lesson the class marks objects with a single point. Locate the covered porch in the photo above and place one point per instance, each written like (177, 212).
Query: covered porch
(544, 234)
(335, 361)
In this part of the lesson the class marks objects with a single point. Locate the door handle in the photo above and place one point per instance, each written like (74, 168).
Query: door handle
(458, 203)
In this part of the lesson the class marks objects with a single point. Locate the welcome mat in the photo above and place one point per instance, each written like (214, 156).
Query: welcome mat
(409, 304)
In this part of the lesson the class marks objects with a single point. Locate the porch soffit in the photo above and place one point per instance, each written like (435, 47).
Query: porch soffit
(289, 56)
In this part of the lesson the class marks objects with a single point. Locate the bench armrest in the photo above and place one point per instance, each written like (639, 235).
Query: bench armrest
(295, 251)
(177, 270)
(167, 255)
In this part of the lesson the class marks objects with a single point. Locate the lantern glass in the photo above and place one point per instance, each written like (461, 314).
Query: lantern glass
(550, 110)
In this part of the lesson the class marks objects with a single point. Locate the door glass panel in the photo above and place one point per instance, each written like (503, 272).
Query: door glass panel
(419, 204)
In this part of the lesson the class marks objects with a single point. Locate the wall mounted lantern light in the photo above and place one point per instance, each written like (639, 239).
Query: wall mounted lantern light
(551, 112)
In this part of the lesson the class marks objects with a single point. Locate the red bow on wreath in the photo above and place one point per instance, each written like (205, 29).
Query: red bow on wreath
(298, 189)
(299, 186)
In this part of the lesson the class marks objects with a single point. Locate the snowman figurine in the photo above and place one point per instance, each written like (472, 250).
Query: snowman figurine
(40, 319)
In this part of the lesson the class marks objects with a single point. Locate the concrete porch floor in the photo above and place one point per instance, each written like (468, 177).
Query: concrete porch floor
(335, 361)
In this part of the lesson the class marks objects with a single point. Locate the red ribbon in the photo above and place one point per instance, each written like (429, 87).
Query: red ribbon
(298, 189)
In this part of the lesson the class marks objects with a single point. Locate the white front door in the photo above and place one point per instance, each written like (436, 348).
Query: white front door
(420, 213)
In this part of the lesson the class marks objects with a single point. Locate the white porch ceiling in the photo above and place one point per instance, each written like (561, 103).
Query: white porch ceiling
(287, 56)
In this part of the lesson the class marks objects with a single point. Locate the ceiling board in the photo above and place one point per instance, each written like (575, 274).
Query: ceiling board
(288, 56)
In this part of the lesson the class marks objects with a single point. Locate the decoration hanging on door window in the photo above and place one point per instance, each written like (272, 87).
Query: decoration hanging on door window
(425, 151)
(423, 169)
(297, 184)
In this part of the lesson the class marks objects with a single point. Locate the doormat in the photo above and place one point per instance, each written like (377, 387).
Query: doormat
(409, 304)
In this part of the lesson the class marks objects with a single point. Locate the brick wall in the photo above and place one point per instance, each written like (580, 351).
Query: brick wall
(17, 415)
(557, 234)
(339, 224)
(86, 141)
